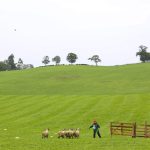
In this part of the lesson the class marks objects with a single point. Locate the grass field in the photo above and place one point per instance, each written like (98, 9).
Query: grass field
(71, 97)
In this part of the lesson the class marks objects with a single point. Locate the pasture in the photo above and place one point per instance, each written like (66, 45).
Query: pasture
(71, 97)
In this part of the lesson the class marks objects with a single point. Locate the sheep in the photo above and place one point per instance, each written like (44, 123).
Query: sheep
(62, 133)
(77, 133)
(45, 133)
(69, 133)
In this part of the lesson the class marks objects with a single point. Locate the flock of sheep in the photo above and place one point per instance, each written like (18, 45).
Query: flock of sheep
(69, 133)
(65, 133)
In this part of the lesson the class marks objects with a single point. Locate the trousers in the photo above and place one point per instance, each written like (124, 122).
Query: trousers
(98, 133)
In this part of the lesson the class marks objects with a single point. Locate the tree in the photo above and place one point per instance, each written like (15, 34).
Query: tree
(71, 58)
(56, 59)
(11, 62)
(19, 65)
(4, 66)
(20, 61)
(144, 55)
(45, 60)
(95, 58)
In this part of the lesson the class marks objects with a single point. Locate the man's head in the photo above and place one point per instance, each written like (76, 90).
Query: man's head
(94, 121)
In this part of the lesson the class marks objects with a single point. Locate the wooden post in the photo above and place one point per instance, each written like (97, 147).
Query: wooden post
(111, 129)
(134, 130)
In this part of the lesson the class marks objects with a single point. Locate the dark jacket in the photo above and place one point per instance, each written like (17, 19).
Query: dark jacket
(95, 126)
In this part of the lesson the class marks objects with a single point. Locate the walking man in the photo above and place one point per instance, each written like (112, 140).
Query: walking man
(95, 127)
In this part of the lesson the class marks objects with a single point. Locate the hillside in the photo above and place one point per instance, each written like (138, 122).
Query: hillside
(77, 80)
(71, 97)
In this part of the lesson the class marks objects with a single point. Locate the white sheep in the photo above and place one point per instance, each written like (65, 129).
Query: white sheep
(45, 133)
(77, 133)
(62, 133)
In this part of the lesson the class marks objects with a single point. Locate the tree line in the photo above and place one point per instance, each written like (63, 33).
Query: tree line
(71, 58)
(9, 63)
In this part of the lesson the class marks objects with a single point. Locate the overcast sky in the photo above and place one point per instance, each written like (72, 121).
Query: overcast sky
(112, 29)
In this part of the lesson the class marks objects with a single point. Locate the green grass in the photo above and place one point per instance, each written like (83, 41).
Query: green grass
(77, 80)
(71, 97)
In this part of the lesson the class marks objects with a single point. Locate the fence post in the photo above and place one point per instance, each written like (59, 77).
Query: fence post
(134, 130)
(111, 129)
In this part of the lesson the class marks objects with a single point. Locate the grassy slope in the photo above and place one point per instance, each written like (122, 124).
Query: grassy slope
(72, 96)
(77, 80)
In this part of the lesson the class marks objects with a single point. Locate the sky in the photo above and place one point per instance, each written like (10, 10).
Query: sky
(112, 29)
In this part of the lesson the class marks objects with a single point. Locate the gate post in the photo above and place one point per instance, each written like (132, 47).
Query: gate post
(111, 129)
(134, 130)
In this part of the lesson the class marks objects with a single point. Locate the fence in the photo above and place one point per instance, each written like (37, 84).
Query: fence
(125, 129)
(130, 129)
(143, 130)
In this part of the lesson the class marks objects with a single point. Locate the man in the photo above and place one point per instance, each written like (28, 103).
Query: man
(95, 127)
